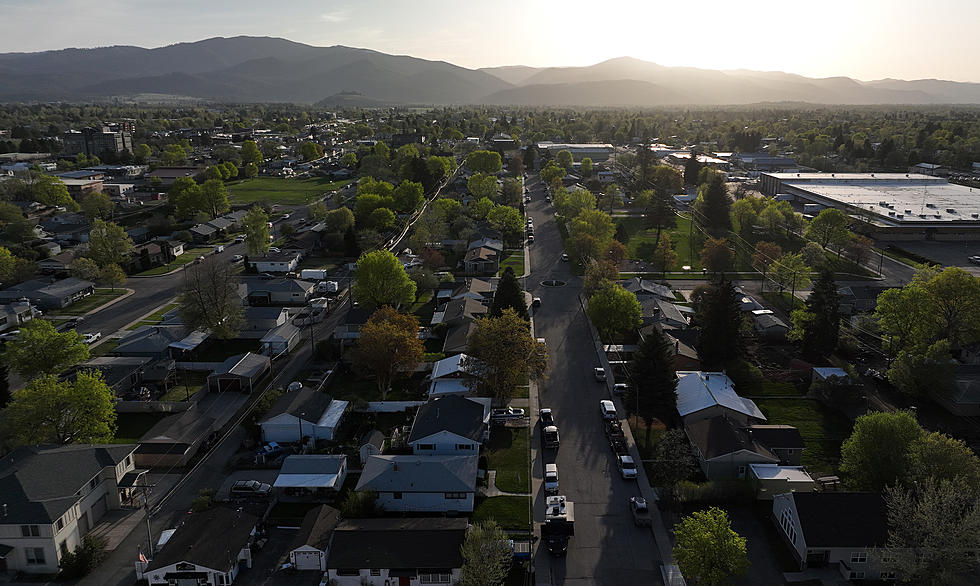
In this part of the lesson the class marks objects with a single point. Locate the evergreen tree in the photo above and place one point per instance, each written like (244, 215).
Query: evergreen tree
(818, 325)
(351, 248)
(509, 295)
(720, 339)
(652, 393)
(713, 208)
(691, 170)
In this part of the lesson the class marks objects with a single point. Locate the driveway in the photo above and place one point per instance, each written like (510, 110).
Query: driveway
(607, 548)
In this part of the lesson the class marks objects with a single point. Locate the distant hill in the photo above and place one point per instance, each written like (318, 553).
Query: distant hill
(263, 69)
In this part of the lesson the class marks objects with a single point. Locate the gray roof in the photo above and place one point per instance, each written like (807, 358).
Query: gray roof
(38, 483)
(457, 338)
(57, 289)
(263, 312)
(220, 223)
(247, 365)
(456, 414)
(274, 257)
(304, 400)
(640, 286)
(211, 538)
(842, 519)
(204, 229)
(273, 285)
(397, 544)
(373, 437)
(719, 436)
(312, 464)
(767, 320)
(317, 527)
(150, 340)
(419, 474)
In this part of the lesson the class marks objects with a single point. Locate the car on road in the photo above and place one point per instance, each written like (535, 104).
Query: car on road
(506, 414)
(546, 417)
(92, 338)
(640, 511)
(599, 374)
(551, 479)
(627, 467)
(239, 239)
(975, 259)
(607, 409)
(620, 388)
(219, 249)
(250, 488)
(237, 258)
(536, 302)
(564, 257)
(286, 216)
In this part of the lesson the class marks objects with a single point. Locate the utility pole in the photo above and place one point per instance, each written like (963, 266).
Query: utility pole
(149, 534)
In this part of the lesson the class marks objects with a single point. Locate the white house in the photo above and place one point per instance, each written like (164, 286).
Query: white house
(701, 395)
(280, 340)
(450, 376)
(208, 549)
(385, 552)
(312, 541)
(313, 412)
(836, 529)
(50, 497)
(311, 476)
(772, 479)
(421, 484)
(450, 425)
(276, 262)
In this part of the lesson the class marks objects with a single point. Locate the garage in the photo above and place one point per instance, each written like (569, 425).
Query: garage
(307, 560)
(309, 548)
(239, 373)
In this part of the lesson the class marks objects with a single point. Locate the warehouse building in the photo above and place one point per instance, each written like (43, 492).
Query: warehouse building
(887, 206)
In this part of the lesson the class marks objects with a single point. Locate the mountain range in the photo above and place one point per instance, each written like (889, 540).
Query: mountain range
(264, 69)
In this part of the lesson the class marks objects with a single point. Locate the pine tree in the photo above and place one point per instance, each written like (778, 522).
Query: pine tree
(720, 339)
(652, 393)
(509, 295)
(820, 328)
(713, 206)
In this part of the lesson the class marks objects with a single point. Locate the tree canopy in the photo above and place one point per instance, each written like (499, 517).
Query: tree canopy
(380, 279)
(41, 349)
(108, 243)
(210, 301)
(829, 227)
(509, 295)
(503, 355)
(487, 555)
(707, 549)
(484, 162)
(652, 392)
(255, 224)
(48, 410)
(720, 337)
(389, 346)
(613, 310)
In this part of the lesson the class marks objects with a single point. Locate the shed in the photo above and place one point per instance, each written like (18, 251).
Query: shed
(280, 340)
(371, 445)
(239, 373)
(311, 544)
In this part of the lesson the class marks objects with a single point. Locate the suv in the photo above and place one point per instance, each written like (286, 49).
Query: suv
(607, 409)
(250, 488)
(627, 467)
(551, 479)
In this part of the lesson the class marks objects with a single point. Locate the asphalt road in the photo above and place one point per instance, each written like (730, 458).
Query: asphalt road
(607, 548)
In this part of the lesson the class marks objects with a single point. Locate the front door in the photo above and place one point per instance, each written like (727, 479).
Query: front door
(404, 581)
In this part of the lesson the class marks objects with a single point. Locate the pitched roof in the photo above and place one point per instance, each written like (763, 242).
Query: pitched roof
(842, 519)
(457, 338)
(211, 538)
(390, 473)
(374, 438)
(304, 400)
(464, 308)
(271, 285)
(247, 365)
(455, 414)
(719, 436)
(451, 365)
(641, 286)
(317, 527)
(397, 543)
(312, 464)
(777, 437)
(150, 339)
(697, 390)
(481, 253)
(38, 483)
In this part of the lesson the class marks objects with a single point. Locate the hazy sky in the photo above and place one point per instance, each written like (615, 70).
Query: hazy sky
(865, 39)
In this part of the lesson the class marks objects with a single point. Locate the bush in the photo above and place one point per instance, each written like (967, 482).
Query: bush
(359, 504)
(745, 375)
(204, 500)
(85, 558)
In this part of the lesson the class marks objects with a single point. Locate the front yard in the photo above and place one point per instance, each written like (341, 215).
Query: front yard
(83, 306)
(510, 512)
(823, 430)
(513, 259)
(187, 257)
(509, 455)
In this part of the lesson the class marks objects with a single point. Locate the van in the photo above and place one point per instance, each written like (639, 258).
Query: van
(219, 248)
(551, 478)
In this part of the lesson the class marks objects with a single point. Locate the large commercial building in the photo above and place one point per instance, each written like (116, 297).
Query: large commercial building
(887, 206)
(95, 141)
(595, 151)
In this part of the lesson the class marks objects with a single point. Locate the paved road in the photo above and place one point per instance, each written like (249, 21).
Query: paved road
(607, 548)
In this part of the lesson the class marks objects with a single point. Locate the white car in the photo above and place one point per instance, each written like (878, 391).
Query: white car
(607, 409)
(627, 467)
(600, 374)
(551, 478)
(564, 257)
(507, 413)
(620, 388)
(237, 258)
(92, 338)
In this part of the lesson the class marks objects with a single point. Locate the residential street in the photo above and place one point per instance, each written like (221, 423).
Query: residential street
(607, 548)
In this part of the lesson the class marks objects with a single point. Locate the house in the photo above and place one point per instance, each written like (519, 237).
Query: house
(486, 242)
(279, 291)
(826, 373)
(457, 338)
(772, 479)
(724, 450)
(372, 444)
(280, 340)
(48, 249)
(646, 288)
(768, 326)
(701, 395)
(221, 224)
(481, 261)
(124, 374)
(303, 243)
(656, 310)
(146, 257)
(167, 175)
(471, 288)
(835, 529)
(686, 357)
(383, 552)
(208, 549)
(259, 321)
(421, 484)
(354, 320)
(235, 218)
(13, 315)
(53, 495)
(859, 298)
(149, 341)
(784, 441)
(312, 542)
(316, 413)
(57, 264)
(49, 294)
(139, 234)
(450, 376)
(305, 477)
(172, 248)
(450, 425)
(457, 311)
(276, 262)
(203, 233)
(175, 440)
(239, 373)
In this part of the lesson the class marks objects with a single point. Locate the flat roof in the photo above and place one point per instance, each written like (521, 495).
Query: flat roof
(775, 472)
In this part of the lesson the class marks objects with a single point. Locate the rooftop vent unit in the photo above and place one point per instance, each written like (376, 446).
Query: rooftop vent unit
(931, 205)
(975, 215)
(908, 211)
(900, 216)
(950, 210)
(922, 215)
(891, 213)
(883, 204)
(937, 216)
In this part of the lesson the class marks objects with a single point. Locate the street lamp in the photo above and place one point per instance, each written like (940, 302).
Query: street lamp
(299, 417)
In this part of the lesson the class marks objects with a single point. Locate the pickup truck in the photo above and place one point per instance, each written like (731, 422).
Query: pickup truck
(641, 512)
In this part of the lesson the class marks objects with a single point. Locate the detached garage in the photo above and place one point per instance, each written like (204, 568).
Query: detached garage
(239, 373)
(309, 548)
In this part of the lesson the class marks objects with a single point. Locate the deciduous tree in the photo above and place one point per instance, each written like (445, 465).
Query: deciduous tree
(482, 185)
(674, 462)
(340, 219)
(97, 205)
(108, 243)
(250, 153)
(717, 255)
(50, 191)
(381, 279)
(255, 224)
(484, 162)
(503, 355)
(112, 275)
(790, 272)
(829, 227)
(487, 555)
(214, 198)
(41, 349)
(879, 451)
(707, 549)
(613, 310)
(389, 346)
(564, 160)
(63, 412)
(85, 269)
(210, 301)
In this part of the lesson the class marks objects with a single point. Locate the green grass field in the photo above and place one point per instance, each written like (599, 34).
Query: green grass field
(281, 190)
(823, 430)
(178, 262)
(154, 318)
(510, 512)
(513, 259)
(130, 427)
(97, 299)
(509, 455)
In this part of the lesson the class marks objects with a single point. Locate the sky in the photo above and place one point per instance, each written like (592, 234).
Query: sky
(863, 39)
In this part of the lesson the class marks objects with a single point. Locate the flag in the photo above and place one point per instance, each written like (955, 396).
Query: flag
(143, 558)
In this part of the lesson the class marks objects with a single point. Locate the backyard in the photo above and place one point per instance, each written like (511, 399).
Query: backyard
(509, 455)
(510, 512)
(130, 427)
(280, 190)
(823, 430)
(187, 382)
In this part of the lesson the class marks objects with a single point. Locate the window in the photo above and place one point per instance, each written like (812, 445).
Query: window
(426, 446)
(60, 524)
(859, 557)
(434, 578)
(856, 575)
(455, 495)
(348, 572)
(35, 556)
(375, 572)
(29, 531)
(396, 495)
(464, 447)
(129, 460)
(93, 483)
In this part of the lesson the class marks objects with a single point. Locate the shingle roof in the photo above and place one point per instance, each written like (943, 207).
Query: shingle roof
(390, 473)
(305, 400)
(312, 464)
(398, 543)
(777, 437)
(718, 436)
(842, 519)
(247, 365)
(150, 339)
(455, 414)
(210, 538)
(317, 528)
(458, 337)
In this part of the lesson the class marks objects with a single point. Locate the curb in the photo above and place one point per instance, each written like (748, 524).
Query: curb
(110, 302)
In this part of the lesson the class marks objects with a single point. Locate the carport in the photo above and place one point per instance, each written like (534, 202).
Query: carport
(239, 373)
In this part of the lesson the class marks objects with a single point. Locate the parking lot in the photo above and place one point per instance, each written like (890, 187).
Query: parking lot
(953, 254)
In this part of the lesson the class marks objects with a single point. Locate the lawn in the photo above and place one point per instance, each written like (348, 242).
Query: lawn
(784, 300)
(823, 430)
(154, 318)
(680, 236)
(280, 190)
(318, 262)
(178, 262)
(768, 388)
(424, 307)
(513, 259)
(103, 348)
(509, 455)
(130, 427)
(510, 512)
(97, 299)
(188, 383)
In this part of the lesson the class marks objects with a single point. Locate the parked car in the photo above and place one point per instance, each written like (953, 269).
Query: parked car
(551, 479)
(546, 417)
(274, 249)
(239, 239)
(237, 258)
(564, 257)
(600, 374)
(640, 511)
(8, 336)
(975, 259)
(620, 388)
(506, 413)
(530, 237)
(92, 337)
(607, 409)
(219, 249)
(536, 302)
(549, 436)
(199, 260)
(250, 488)
(627, 467)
